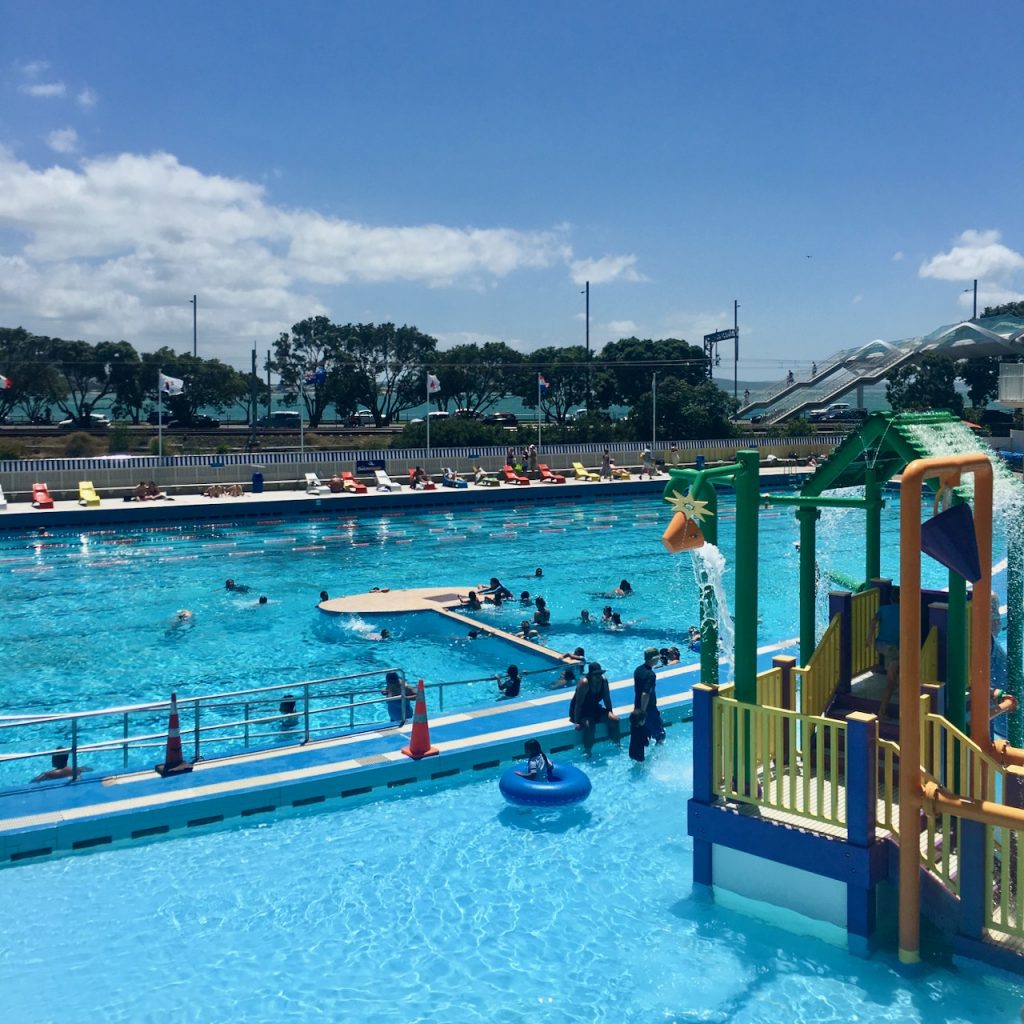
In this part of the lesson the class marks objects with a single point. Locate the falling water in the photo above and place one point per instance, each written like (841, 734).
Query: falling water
(709, 571)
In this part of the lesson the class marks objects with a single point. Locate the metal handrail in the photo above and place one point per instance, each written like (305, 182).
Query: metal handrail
(215, 731)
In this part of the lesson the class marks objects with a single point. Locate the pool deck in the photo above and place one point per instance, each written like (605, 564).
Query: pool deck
(55, 818)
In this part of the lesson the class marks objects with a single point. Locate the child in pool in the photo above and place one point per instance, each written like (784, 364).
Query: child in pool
(538, 765)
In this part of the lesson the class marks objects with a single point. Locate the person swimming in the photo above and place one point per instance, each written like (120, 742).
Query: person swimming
(238, 588)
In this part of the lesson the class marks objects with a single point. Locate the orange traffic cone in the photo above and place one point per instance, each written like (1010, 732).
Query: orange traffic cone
(419, 741)
(174, 761)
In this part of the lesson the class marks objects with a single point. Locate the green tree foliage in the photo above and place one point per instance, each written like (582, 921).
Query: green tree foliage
(684, 410)
(25, 359)
(981, 375)
(1007, 309)
(630, 362)
(314, 349)
(925, 386)
(83, 367)
(389, 366)
(209, 383)
(565, 370)
(477, 376)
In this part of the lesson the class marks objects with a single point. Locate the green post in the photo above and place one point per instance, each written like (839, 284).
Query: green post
(808, 519)
(1015, 626)
(956, 651)
(708, 605)
(873, 529)
(748, 499)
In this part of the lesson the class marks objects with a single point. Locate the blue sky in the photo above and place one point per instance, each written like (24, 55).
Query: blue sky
(843, 170)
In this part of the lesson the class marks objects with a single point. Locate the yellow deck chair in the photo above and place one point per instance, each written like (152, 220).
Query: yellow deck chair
(620, 473)
(87, 493)
(583, 474)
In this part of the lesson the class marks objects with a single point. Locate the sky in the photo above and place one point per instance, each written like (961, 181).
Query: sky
(843, 171)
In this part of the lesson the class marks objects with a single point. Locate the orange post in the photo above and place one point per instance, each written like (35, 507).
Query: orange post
(419, 741)
(948, 469)
(174, 762)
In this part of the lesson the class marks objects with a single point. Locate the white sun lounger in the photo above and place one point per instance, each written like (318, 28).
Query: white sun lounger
(384, 482)
(3, 500)
(313, 485)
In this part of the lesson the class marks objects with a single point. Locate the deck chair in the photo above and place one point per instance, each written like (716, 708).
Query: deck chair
(547, 477)
(384, 482)
(583, 474)
(87, 493)
(512, 477)
(41, 497)
(449, 479)
(487, 480)
(351, 484)
(620, 473)
(314, 486)
(3, 500)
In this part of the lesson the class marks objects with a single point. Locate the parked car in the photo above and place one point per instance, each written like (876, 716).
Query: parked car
(438, 414)
(200, 422)
(360, 418)
(467, 414)
(282, 419)
(97, 421)
(847, 415)
(154, 417)
(501, 419)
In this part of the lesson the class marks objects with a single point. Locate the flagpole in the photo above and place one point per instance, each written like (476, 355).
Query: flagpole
(539, 413)
(159, 414)
(428, 412)
(302, 420)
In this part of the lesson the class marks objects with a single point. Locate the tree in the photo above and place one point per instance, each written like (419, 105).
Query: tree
(83, 368)
(981, 375)
(312, 363)
(389, 366)
(477, 376)
(25, 360)
(925, 386)
(565, 371)
(684, 410)
(1007, 309)
(630, 362)
(124, 370)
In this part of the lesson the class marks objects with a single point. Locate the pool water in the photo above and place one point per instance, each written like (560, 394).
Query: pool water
(441, 905)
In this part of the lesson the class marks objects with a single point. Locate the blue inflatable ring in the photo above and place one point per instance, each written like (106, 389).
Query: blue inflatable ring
(567, 785)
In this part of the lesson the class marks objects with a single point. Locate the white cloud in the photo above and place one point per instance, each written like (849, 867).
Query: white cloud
(621, 328)
(605, 269)
(115, 246)
(63, 140)
(898, 257)
(856, 299)
(86, 98)
(33, 68)
(976, 254)
(43, 90)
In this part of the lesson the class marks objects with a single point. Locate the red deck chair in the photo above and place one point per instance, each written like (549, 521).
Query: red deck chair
(547, 477)
(41, 497)
(512, 477)
(351, 484)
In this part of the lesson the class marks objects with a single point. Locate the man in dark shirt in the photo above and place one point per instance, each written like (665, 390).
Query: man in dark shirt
(645, 695)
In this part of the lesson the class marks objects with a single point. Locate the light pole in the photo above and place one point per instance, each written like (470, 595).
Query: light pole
(654, 412)
(586, 291)
(975, 316)
(195, 308)
(736, 350)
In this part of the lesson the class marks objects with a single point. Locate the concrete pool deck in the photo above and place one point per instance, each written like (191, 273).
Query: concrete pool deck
(54, 818)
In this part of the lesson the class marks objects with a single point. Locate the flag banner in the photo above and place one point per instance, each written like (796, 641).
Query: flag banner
(314, 377)
(171, 385)
(6, 382)
(433, 384)
(542, 384)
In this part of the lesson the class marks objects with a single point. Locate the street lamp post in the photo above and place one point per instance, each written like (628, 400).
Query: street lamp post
(586, 291)
(975, 316)
(195, 308)
(654, 412)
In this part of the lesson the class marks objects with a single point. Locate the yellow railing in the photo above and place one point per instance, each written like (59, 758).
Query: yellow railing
(1004, 913)
(769, 689)
(930, 657)
(820, 676)
(758, 760)
(888, 786)
(863, 609)
(956, 762)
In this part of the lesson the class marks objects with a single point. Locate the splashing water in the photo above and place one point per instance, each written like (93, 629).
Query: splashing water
(709, 571)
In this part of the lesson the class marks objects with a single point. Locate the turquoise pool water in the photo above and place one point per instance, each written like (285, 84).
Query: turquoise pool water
(442, 905)
(90, 615)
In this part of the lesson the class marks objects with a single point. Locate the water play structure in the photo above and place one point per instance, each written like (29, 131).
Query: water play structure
(805, 797)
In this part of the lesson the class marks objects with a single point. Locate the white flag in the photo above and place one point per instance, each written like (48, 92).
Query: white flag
(171, 385)
(433, 384)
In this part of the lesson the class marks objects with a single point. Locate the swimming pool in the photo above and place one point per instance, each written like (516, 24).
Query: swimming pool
(441, 905)
(89, 614)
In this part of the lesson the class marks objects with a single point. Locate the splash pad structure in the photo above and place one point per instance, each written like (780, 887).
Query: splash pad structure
(805, 796)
